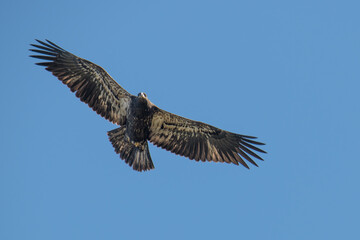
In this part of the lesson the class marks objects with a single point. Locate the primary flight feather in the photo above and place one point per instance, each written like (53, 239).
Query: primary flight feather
(140, 120)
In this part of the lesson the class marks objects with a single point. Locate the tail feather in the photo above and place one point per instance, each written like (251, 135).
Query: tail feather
(136, 154)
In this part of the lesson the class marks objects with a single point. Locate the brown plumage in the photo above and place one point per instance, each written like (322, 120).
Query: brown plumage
(140, 119)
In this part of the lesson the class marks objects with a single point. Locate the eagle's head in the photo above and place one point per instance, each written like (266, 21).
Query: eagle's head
(142, 95)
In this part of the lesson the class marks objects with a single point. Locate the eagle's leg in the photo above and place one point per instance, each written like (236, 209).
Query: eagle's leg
(136, 154)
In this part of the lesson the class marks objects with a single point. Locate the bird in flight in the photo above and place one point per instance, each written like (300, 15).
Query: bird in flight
(139, 119)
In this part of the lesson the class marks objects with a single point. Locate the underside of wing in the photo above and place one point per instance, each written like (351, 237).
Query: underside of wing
(200, 141)
(91, 83)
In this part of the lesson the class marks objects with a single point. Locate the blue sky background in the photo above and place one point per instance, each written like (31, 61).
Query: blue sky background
(285, 71)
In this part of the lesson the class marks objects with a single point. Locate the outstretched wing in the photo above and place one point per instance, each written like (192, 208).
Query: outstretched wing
(200, 141)
(92, 84)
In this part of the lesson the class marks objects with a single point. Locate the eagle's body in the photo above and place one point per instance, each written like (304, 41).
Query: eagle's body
(140, 120)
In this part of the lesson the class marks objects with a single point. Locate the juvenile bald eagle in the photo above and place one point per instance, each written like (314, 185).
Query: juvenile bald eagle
(139, 119)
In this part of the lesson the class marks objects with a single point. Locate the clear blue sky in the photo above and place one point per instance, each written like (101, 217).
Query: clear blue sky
(285, 71)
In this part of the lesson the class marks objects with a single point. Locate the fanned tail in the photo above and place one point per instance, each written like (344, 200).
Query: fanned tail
(136, 154)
